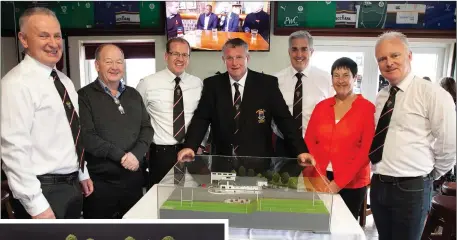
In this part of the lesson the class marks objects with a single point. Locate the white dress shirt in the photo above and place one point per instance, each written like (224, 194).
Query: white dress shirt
(421, 135)
(316, 85)
(36, 137)
(241, 85)
(227, 21)
(206, 22)
(157, 91)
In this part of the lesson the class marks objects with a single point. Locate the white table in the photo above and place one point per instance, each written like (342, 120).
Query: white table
(343, 224)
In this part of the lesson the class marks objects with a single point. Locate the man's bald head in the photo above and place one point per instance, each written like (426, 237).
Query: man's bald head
(105, 45)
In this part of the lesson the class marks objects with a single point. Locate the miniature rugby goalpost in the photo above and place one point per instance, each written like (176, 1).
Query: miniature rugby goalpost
(191, 200)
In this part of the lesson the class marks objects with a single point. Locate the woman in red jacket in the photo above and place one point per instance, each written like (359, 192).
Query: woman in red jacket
(339, 136)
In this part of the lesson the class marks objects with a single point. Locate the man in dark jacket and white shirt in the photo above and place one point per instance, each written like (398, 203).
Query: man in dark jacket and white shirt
(117, 133)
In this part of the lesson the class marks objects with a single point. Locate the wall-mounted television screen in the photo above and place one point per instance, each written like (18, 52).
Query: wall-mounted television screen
(208, 25)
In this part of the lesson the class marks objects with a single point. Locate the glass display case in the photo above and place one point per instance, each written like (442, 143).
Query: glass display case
(252, 192)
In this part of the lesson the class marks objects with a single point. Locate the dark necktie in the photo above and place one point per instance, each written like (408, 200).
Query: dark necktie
(298, 96)
(381, 129)
(72, 117)
(179, 130)
(236, 118)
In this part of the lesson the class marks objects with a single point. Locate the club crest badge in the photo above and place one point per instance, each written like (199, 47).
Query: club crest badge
(297, 93)
(389, 103)
(68, 103)
(261, 115)
(178, 92)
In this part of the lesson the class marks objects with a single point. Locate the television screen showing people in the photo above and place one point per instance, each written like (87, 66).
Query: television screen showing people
(208, 25)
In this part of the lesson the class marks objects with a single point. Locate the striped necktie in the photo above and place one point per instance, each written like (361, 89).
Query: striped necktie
(298, 96)
(236, 118)
(383, 125)
(72, 118)
(179, 130)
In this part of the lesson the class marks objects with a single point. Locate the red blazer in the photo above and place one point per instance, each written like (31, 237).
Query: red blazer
(346, 144)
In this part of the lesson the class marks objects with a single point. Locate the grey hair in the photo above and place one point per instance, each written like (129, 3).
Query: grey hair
(236, 42)
(100, 48)
(393, 35)
(301, 35)
(34, 11)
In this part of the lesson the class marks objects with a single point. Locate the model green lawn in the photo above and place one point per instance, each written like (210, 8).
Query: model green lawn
(266, 205)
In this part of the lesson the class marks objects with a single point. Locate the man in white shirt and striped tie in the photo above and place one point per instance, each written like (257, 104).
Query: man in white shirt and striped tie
(414, 142)
(302, 86)
(42, 152)
(170, 97)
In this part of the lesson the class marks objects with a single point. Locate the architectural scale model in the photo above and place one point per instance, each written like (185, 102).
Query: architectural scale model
(254, 201)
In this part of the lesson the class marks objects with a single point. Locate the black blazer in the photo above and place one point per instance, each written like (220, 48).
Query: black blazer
(261, 93)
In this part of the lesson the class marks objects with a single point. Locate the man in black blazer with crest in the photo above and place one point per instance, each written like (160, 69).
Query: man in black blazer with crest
(240, 105)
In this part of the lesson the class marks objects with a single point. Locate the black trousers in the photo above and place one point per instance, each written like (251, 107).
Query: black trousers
(113, 200)
(352, 197)
(162, 158)
(63, 193)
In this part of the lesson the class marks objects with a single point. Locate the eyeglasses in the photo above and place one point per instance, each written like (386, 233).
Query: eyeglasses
(119, 106)
(177, 54)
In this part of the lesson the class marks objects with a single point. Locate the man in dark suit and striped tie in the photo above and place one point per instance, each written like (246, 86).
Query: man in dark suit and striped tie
(240, 105)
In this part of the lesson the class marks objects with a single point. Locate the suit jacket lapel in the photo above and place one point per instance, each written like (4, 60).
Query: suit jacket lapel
(248, 98)
(226, 103)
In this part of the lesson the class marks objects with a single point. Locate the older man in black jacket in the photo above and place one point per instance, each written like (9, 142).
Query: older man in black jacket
(117, 133)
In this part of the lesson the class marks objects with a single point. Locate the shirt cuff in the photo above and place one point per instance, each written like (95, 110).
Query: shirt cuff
(83, 175)
(36, 206)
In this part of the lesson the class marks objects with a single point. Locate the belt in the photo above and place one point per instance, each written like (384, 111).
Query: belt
(390, 179)
(50, 179)
(170, 147)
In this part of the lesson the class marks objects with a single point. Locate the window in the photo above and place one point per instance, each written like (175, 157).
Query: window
(425, 64)
(434, 62)
(139, 61)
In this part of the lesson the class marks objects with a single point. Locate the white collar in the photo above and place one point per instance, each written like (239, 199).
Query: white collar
(34, 64)
(242, 81)
(305, 71)
(405, 83)
(173, 76)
